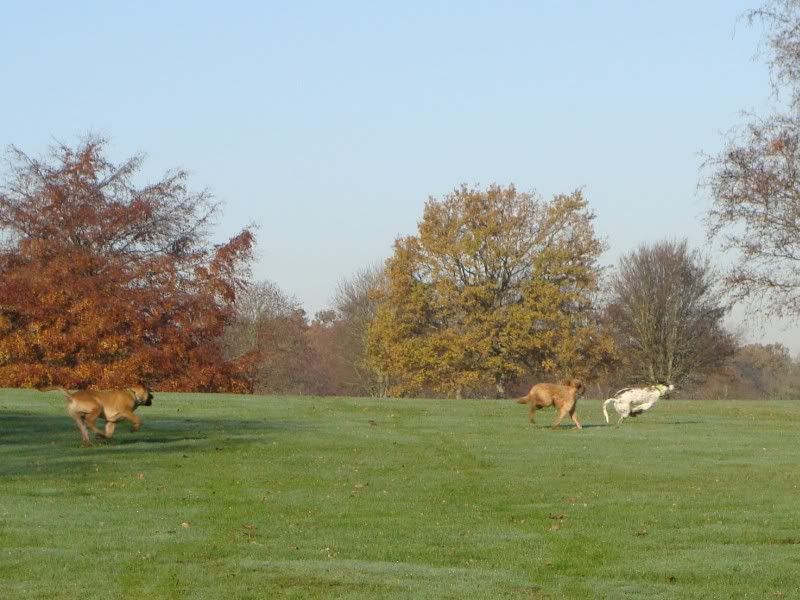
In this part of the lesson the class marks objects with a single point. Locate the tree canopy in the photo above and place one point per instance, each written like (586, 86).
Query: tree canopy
(496, 284)
(103, 281)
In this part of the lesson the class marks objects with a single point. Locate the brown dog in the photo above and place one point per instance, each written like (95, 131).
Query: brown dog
(86, 406)
(564, 397)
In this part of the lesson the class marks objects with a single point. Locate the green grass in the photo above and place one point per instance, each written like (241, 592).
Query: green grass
(265, 497)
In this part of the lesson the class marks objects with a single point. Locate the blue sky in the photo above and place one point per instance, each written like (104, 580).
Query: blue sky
(329, 124)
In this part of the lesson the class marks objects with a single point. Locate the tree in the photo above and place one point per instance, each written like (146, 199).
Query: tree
(755, 371)
(103, 281)
(271, 328)
(665, 314)
(356, 306)
(754, 182)
(290, 355)
(496, 284)
(765, 367)
(333, 368)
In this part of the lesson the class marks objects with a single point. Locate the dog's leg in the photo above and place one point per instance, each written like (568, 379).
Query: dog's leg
(532, 412)
(82, 427)
(110, 425)
(574, 418)
(561, 414)
(136, 422)
(91, 422)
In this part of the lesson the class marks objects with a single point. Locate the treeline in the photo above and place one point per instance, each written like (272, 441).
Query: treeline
(104, 281)
(325, 355)
(755, 371)
(414, 327)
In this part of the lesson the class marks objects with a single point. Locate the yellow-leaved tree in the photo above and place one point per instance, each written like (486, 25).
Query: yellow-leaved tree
(497, 284)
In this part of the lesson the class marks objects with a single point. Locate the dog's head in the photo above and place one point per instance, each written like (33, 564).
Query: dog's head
(142, 394)
(577, 384)
(664, 388)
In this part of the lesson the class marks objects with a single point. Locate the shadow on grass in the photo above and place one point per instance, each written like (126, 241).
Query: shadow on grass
(51, 443)
(612, 425)
(634, 423)
(563, 427)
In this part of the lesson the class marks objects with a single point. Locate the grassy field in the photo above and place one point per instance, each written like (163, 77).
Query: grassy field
(263, 497)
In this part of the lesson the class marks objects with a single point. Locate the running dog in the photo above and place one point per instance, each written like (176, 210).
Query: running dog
(86, 406)
(631, 402)
(563, 397)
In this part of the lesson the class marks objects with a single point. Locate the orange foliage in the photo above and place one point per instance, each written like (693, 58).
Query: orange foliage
(103, 282)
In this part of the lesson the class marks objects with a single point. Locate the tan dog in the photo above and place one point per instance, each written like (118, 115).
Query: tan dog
(564, 397)
(86, 406)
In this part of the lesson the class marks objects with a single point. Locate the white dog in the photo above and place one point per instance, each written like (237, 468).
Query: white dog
(634, 401)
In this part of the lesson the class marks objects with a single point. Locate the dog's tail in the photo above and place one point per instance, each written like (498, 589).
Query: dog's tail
(523, 400)
(54, 388)
(605, 412)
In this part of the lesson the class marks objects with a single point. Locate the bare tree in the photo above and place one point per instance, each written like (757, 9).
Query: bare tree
(755, 182)
(356, 305)
(781, 20)
(353, 300)
(665, 314)
(258, 304)
(272, 326)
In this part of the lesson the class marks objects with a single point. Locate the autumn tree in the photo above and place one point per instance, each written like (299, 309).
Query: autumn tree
(104, 281)
(497, 284)
(754, 182)
(665, 314)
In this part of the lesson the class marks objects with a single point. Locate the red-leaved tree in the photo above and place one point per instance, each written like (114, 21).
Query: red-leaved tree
(103, 281)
